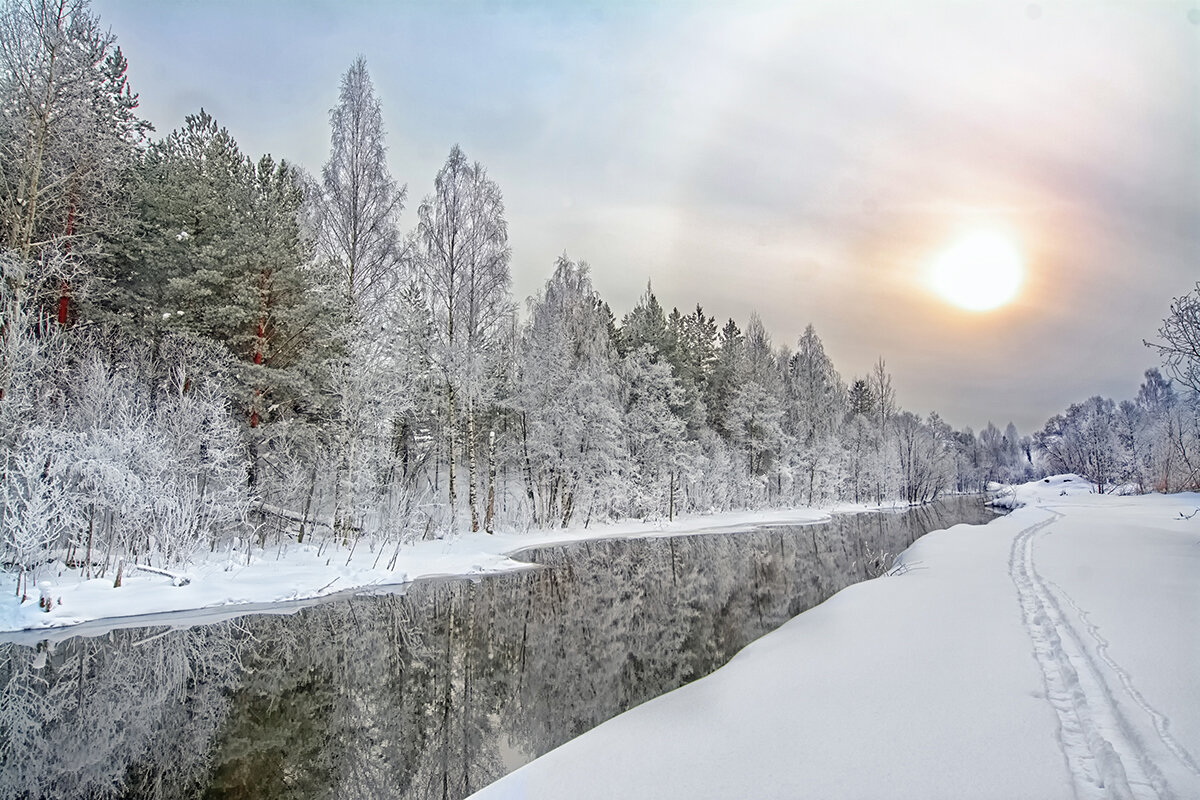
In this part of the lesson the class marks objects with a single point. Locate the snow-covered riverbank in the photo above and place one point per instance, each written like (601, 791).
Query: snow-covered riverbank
(1052, 653)
(225, 582)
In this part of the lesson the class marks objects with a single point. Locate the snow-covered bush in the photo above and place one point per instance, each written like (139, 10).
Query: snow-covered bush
(38, 511)
(139, 458)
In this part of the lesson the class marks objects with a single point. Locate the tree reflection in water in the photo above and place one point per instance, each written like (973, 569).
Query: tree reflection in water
(430, 694)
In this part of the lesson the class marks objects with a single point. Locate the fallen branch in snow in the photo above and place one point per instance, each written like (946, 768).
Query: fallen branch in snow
(176, 578)
(294, 516)
(1189, 516)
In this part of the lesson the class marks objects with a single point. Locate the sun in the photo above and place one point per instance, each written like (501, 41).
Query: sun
(980, 271)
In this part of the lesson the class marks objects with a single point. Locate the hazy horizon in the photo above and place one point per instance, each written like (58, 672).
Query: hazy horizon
(807, 164)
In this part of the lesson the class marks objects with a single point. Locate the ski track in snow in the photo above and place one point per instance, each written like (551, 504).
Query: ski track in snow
(1103, 752)
(1161, 722)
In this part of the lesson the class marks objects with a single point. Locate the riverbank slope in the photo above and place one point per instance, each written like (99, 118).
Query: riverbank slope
(282, 575)
(1051, 653)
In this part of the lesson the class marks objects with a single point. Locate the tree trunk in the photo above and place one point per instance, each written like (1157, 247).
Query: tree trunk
(252, 452)
(312, 488)
(466, 700)
(450, 460)
(533, 509)
(489, 520)
(472, 467)
(671, 500)
(446, 697)
(64, 296)
(345, 503)
(91, 533)
(569, 505)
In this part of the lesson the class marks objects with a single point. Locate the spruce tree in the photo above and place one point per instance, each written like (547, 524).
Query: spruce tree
(646, 324)
(860, 399)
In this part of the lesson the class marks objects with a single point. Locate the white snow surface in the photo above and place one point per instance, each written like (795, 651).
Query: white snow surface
(1053, 653)
(280, 580)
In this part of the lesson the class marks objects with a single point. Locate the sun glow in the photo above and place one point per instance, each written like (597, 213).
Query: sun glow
(979, 272)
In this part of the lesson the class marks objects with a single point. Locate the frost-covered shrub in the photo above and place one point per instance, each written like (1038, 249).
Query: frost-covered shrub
(141, 458)
(38, 512)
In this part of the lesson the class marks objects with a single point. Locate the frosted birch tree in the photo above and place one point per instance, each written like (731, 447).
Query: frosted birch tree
(924, 453)
(1164, 433)
(885, 458)
(359, 203)
(462, 257)
(1084, 441)
(356, 214)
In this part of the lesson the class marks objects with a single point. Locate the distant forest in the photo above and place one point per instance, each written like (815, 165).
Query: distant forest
(197, 345)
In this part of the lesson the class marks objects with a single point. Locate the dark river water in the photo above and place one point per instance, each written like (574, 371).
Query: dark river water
(428, 694)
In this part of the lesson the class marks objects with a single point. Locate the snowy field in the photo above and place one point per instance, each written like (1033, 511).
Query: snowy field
(282, 578)
(1053, 653)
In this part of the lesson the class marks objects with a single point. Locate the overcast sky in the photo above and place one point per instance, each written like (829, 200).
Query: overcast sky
(803, 160)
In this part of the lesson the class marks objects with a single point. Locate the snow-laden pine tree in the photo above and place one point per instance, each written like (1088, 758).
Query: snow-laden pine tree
(654, 434)
(568, 397)
(656, 352)
(282, 349)
(816, 407)
(218, 253)
(815, 389)
(860, 399)
(725, 375)
(689, 349)
(176, 270)
(756, 414)
(462, 259)
(646, 325)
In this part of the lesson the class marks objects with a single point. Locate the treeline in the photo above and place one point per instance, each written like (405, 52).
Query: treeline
(1150, 443)
(200, 348)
